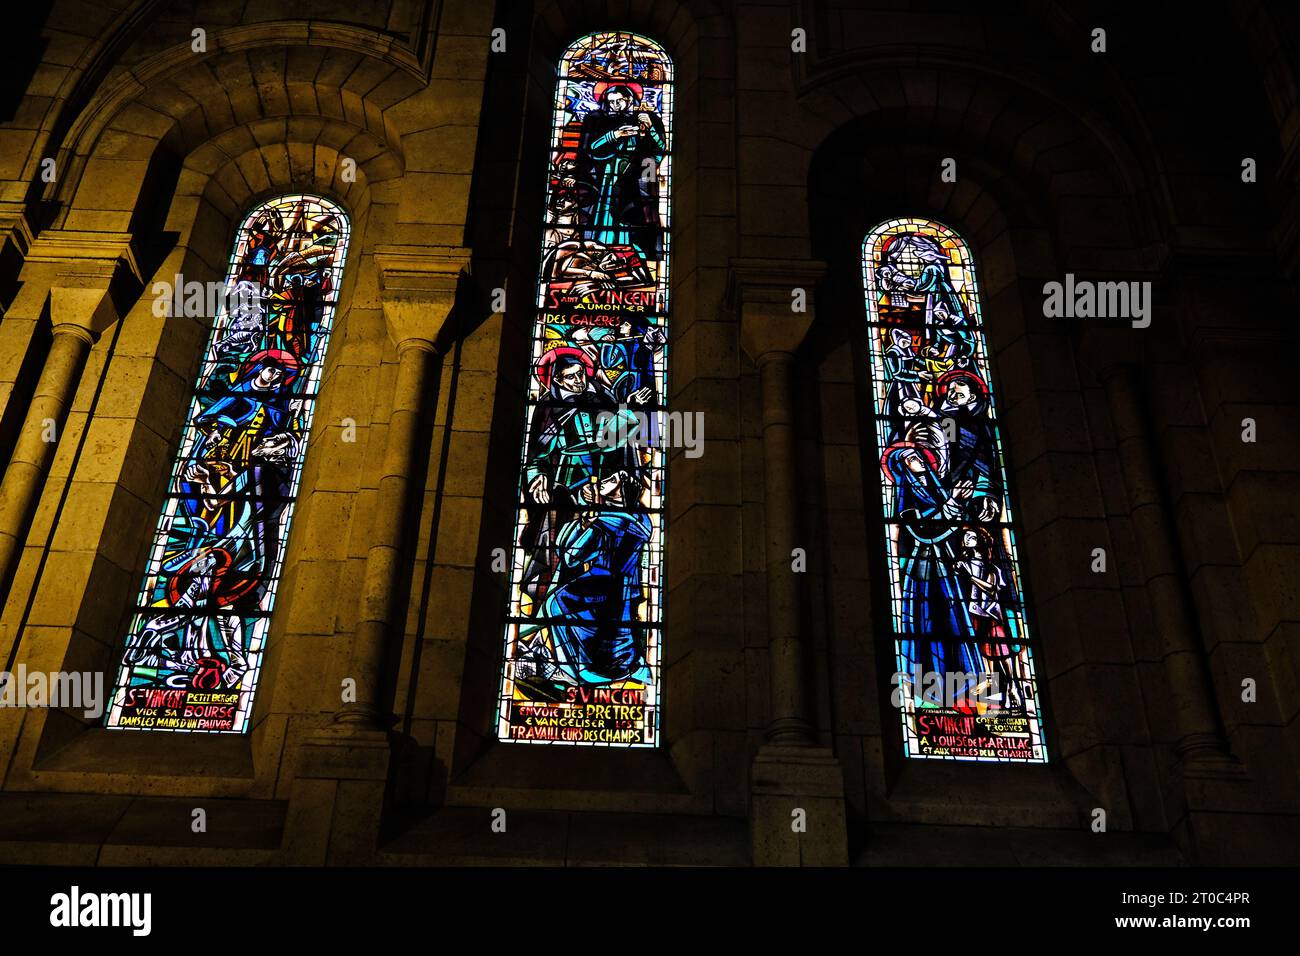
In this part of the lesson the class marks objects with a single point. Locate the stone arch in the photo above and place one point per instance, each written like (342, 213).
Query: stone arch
(251, 92)
(289, 136)
(697, 37)
(135, 40)
(1039, 190)
(1056, 148)
(146, 364)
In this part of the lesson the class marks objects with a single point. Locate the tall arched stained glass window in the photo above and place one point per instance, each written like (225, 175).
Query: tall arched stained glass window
(583, 643)
(194, 650)
(965, 678)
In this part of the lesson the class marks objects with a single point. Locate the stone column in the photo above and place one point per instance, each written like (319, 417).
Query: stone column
(337, 795)
(79, 268)
(34, 449)
(789, 722)
(1201, 747)
(796, 787)
(384, 559)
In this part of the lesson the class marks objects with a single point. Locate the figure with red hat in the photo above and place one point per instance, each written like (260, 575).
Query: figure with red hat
(253, 407)
(586, 530)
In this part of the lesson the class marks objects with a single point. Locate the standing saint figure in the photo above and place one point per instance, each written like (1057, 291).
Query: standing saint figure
(963, 398)
(619, 152)
(934, 613)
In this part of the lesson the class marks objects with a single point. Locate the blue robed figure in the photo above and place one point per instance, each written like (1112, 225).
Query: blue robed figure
(593, 604)
(585, 478)
(933, 603)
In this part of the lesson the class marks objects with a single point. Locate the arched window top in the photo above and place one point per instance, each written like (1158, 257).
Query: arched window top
(966, 681)
(617, 55)
(198, 633)
(583, 644)
(906, 247)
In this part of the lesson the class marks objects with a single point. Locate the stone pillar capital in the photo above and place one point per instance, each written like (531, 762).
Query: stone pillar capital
(76, 330)
(76, 270)
(14, 226)
(418, 287)
(773, 299)
(415, 342)
(80, 267)
(80, 253)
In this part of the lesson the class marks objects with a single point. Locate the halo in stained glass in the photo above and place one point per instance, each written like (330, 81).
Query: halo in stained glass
(583, 641)
(198, 633)
(965, 659)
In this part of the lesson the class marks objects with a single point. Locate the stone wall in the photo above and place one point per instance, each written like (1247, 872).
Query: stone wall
(1123, 165)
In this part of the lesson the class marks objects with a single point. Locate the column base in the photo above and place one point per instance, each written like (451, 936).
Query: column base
(1204, 757)
(797, 815)
(337, 797)
(1213, 803)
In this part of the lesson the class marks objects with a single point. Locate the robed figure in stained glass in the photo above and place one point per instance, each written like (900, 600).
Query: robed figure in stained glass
(962, 399)
(584, 557)
(934, 614)
(594, 599)
(584, 619)
(194, 651)
(955, 604)
(619, 151)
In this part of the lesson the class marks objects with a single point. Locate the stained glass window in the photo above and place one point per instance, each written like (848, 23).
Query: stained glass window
(965, 682)
(583, 645)
(198, 633)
